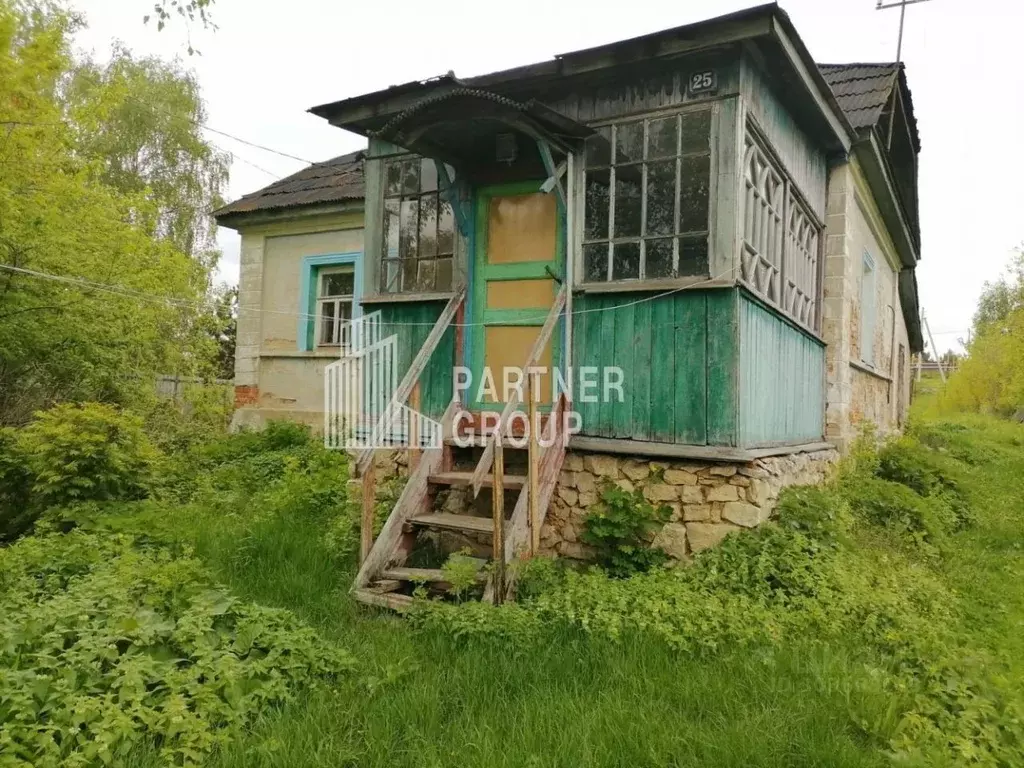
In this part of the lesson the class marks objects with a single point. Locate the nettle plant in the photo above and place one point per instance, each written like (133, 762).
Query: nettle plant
(621, 528)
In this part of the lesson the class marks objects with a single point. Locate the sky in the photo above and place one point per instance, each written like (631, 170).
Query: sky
(269, 61)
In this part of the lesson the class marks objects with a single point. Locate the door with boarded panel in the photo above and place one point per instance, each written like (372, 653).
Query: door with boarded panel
(518, 253)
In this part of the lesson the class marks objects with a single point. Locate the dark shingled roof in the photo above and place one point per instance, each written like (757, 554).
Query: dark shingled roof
(862, 90)
(331, 181)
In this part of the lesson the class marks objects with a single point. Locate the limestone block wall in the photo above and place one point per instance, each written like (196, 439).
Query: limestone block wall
(708, 501)
(862, 385)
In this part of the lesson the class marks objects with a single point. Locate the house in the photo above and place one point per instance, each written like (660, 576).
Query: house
(704, 239)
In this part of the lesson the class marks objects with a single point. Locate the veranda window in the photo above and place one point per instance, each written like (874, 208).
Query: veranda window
(647, 195)
(335, 291)
(418, 228)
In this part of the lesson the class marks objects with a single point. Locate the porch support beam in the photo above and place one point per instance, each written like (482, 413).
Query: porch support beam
(554, 174)
(451, 193)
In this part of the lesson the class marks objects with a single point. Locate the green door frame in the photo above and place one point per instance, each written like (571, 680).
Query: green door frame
(483, 272)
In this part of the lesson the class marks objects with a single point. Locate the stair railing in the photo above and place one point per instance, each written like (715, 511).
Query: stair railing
(397, 412)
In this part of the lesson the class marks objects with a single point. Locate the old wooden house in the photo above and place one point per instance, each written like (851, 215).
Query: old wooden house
(729, 226)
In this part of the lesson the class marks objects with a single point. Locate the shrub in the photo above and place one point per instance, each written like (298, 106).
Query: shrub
(16, 510)
(894, 505)
(108, 647)
(69, 455)
(620, 530)
(911, 463)
(89, 452)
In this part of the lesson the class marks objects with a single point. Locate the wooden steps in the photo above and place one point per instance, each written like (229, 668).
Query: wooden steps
(423, 575)
(477, 440)
(391, 600)
(449, 522)
(459, 479)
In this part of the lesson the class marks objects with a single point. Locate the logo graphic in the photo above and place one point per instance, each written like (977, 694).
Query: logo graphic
(360, 408)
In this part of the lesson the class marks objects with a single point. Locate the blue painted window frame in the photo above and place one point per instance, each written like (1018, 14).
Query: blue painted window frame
(311, 265)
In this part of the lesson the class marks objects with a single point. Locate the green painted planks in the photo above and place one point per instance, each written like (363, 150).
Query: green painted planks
(662, 346)
(722, 365)
(411, 322)
(640, 349)
(782, 391)
(690, 368)
(664, 331)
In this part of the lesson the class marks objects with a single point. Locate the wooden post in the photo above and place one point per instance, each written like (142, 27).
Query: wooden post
(498, 516)
(414, 428)
(533, 458)
(369, 501)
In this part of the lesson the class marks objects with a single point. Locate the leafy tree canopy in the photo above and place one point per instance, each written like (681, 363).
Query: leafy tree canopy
(110, 199)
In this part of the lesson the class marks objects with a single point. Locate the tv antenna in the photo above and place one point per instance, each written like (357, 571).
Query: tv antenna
(902, 5)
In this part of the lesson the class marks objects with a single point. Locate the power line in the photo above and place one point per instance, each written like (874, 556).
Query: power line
(185, 303)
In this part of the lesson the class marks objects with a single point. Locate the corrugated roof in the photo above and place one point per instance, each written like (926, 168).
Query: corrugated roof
(862, 90)
(331, 181)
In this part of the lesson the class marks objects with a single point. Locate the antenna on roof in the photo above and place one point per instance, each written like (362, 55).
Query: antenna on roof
(902, 5)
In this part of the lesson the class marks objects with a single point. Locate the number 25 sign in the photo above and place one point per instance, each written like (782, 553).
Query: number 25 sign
(703, 82)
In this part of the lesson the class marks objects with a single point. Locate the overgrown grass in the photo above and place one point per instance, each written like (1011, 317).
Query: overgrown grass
(877, 623)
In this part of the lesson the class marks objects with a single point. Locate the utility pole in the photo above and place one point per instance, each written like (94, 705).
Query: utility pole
(931, 340)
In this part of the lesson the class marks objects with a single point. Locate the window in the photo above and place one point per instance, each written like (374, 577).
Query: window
(418, 229)
(335, 292)
(647, 192)
(867, 310)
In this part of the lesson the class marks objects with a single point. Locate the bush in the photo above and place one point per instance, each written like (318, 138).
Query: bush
(895, 506)
(108, 647)
(16, 511)
(68, 455)
(909, 462)
(620, 530)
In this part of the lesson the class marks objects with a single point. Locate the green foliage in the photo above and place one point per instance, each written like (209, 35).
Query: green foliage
(89, 452)
(102, 199)
(620, 530)
(199, 414)
(71, 454)
(460, 571)
(343, 533)
(108, 647)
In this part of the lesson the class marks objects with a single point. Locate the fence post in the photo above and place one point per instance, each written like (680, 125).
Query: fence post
(498, 518)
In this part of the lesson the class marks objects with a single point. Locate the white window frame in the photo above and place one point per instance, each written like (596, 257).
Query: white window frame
(868, 310)
(342, 331)
(644, 238)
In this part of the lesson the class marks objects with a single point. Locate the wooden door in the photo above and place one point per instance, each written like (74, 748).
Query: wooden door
(518, 254)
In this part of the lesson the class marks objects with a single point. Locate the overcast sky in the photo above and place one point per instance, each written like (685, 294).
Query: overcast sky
(268, 62)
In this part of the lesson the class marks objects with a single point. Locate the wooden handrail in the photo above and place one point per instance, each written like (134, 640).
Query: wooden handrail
(543, 337)
(416, 367)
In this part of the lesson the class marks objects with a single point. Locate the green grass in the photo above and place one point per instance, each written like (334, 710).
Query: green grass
(425, 698)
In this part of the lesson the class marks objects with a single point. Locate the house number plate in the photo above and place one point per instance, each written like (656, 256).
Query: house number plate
(705, 81)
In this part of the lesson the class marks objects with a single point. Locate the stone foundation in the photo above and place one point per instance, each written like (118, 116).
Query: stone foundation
(708, 501)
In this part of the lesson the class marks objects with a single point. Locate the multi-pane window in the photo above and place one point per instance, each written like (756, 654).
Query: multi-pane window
(335, 292)
(418, 229)
(647, 195)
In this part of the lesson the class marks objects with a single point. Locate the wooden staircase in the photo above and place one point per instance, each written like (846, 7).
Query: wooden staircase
(428, 521)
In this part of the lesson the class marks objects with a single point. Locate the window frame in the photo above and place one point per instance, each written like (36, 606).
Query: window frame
(383, 260)
(868, 308)
(336, 300)
(633, 283)
(309, 288)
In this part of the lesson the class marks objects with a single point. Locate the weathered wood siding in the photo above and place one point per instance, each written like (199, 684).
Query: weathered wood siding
(647, 89)
(802, 158)
(781, 379)
(678, 355)
(411, 322)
